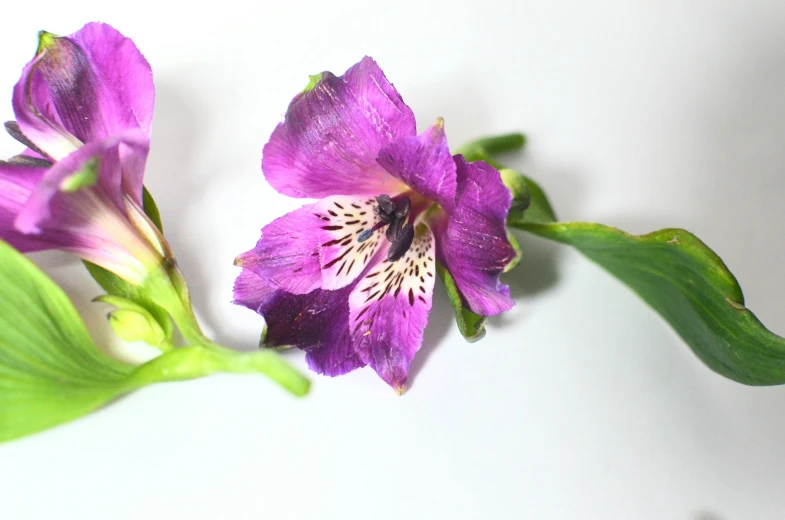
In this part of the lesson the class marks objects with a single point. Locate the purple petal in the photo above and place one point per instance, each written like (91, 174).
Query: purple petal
(332, 134)
(389, 310)
(17, 183)
(116, 155)
(98, 83)
(379, 99)
(473, 242)
(424, 163)
(316, 246)
(316, 322)
(124, 79)
(30, 112)
(86, 223)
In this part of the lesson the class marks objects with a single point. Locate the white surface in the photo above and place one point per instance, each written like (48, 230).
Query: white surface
(581, 403)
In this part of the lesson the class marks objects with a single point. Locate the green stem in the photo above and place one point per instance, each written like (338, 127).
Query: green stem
(210, 358)
(204, 356)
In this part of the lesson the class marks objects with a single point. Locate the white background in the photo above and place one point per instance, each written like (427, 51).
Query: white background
(581, 402)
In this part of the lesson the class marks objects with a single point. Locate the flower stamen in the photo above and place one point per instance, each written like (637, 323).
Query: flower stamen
(400, 232)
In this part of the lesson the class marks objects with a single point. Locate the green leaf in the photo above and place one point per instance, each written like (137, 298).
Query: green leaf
(151, 209)
(52, 372)
(116, 286)
(690, 286)
(471, 325)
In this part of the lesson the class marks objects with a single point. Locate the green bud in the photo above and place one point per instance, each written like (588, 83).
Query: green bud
(135, 326)
(132, 322)
(521, 197)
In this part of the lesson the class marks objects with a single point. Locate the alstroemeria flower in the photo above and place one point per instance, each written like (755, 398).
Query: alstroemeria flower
(83, 108)
(350, 279)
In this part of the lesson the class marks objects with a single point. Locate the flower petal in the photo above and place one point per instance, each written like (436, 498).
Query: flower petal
(424, 163)
(316, 246)
(98, 82)
(316, 322)
(17, 183)
(36, 117)
(124, 79)
(131, 146)
(379, 99)
(332, 134)
(87, 222)
(389, 310)
(473, 242)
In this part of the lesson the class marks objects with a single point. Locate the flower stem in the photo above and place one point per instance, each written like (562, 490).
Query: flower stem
(205, 359)
(204, 356)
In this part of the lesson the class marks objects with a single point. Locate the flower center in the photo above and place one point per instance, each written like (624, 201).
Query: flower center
(393, 214)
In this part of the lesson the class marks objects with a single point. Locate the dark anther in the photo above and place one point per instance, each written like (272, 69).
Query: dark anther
(402, 207)
(392, 213)
(394, 229)
(14, 131)
(401, 244)
(385, 208)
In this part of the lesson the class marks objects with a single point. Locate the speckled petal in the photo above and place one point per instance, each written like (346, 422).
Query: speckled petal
(316, 246)
(389, 310)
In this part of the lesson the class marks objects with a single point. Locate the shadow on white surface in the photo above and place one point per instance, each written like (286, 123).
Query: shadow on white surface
(709, 515)
(179, 183)
(440, 321)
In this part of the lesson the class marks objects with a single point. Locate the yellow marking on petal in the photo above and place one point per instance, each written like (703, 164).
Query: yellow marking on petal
(46, 40)
(313, 81)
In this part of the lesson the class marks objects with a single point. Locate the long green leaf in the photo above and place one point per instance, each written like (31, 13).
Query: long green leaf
(52, 372)
(690, 286)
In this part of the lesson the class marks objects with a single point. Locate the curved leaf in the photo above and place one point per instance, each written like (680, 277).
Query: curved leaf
(52, 372)
(539, 209)
(690, 286)
(471, 325)
(151, 209)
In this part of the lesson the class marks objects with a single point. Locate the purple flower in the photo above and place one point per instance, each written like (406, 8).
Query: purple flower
(349, 279)
(83, 109)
